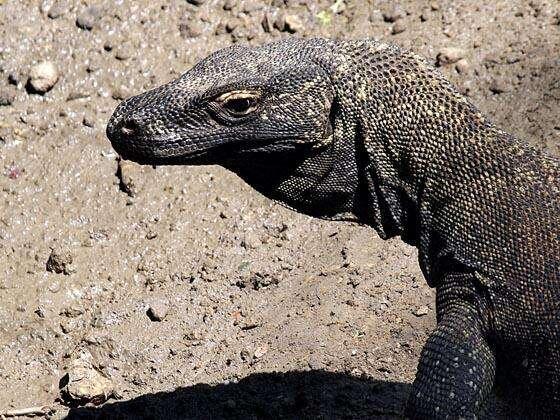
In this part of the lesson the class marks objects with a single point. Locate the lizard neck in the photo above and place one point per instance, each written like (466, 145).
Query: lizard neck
(407, 117)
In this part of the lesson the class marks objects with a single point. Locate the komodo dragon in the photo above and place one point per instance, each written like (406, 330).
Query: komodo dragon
(367, 132)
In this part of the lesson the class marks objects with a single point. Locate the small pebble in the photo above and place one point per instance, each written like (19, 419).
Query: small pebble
(157, 310)
(251, 6)
(498, 86)
(251, 240)
(124, 51)
(462, 66)
(229, 4)
(245, 355)
(151, 235)
(41, 312)
(260, 351)
(54, 287)
(393, 14)
(68, 325)
(7, 96)
(42, 77)
(190, 28)
(421, 311)
(58, 9)
(72, 311)
(77, 94)
(88, 121)
(398, 27)
(120, 92)
(60, 261)
(13, 78)
(267, 22)
(293, 24)
(450, 55)
(315, 362)
(88, 18)
(128, 172)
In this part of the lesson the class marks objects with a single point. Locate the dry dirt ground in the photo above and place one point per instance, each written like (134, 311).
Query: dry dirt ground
(192, 295)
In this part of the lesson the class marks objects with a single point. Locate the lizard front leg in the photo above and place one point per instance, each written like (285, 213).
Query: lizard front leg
(457, 365)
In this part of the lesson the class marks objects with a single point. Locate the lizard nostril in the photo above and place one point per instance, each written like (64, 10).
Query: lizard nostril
(129, 127)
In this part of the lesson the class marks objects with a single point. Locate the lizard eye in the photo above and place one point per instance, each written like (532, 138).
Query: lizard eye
(238, 103)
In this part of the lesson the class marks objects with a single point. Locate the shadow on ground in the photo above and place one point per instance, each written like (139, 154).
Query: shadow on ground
(291, 395)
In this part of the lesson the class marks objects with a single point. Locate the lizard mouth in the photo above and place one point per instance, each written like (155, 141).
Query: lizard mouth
(216, 152)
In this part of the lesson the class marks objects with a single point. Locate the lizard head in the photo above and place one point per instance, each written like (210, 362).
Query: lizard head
(266, 113)
(238, 102)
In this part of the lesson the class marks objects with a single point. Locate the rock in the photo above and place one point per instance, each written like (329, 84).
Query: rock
(83, 384)
(267, 22)
(127, 172)
(260, 351)
(261, 281)
(421, 311)
(398, 27)
(158, 310)
(251, 6)
(7, 96)
(60, 261)
(68, 325)
(72, 311)
(110, 43)
(293, 24)
(14, 172)
(88, 18)
(13, 78)
(42, 77)
(315, 362)
(462, 66)
(77, 94)
(124, 51)
(338, 7)
(58, 9)
(251, 240)
(450, 55)
(245, 355)
(289, 23)
(232, 24)
(498, 86)
(229, 4)
(196, 2)
(190, 28)
(88, 121)
(151, 234)
(394, 14)
(54, 287)
(120, 92)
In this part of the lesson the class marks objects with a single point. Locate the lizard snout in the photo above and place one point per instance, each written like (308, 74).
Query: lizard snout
(128, 127)
(124, 127)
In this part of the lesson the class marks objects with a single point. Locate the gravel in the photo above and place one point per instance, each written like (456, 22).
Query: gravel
(43, 77)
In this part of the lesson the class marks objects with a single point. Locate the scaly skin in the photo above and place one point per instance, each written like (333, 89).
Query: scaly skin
(365, 131)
